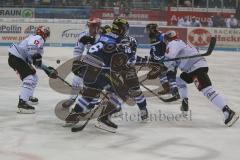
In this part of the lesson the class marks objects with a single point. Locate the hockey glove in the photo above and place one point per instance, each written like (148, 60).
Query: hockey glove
(37, 60)
(118, 62)
(51, 72)
(156, 71)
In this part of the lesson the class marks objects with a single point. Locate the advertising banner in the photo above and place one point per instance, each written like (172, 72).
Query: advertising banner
(16, 12)
(174, 16)
(226, 37)
(62, 13)
(67, 34)
(61, 34)
(133, 15)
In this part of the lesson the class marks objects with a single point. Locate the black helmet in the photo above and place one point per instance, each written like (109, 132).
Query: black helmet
(152, 31)
(120, 26)
(151, 28)
(105, 29)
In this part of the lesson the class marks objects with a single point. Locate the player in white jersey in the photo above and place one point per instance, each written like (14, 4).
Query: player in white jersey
(84, 42)
(194, 70)
(21, 57)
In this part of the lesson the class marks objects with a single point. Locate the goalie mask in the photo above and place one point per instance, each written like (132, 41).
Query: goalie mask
(43, 31)
(120, 27)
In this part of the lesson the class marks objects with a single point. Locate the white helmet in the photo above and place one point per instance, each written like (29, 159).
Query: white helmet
(169, 36)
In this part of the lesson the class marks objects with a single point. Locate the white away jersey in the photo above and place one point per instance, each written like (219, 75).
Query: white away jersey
(33, 44)
(85, 41)
(177, 48)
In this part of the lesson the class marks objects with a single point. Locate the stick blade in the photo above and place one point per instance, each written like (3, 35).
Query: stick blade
(77, 129)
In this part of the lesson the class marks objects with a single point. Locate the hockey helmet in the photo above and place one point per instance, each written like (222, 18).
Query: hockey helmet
(151, 28)
(120, 26)
(105, 29)
(94, 21)
(153, 34)
(169, 36)
(43, 31)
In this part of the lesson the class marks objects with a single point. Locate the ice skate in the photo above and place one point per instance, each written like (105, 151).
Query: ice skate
(231, 118)
(25, 108)
(144, 114)
(33, 101)
(184, 107)
(106, 124)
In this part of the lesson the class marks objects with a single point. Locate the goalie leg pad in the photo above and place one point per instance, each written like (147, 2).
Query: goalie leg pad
(78, 68)
(118, 62)
(91, 74)
(90, 93)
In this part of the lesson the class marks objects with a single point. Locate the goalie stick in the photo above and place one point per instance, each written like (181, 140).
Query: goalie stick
(81, 127)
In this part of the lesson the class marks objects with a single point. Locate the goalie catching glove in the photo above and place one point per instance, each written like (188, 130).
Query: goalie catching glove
(119, 62)
(156, 70)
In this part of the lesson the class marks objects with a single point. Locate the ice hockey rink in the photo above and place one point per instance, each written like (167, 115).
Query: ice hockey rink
(200, 137)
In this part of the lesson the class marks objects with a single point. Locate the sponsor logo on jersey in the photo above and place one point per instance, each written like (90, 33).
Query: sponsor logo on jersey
(10, 29)
(71, 33)
(199, 37)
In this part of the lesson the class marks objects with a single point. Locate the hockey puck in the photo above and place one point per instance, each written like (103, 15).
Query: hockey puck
(58, 61)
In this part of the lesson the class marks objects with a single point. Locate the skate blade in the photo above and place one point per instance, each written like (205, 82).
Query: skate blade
(234, 119)
(103, 127)
(32, 103)
(69, 124)
(185, 113)
(25, 111)
(117, 115)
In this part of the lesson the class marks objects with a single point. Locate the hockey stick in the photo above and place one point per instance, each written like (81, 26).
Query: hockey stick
(80, 128)
(162, 99)
(64, 81)
(209, 51)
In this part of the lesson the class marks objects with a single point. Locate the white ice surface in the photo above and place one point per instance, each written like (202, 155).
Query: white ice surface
(41, 137)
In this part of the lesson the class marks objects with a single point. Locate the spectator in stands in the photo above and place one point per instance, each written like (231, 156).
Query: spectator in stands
(116, 9)
(36, 2)
(195, 22)
(184, 22)
(173, 3)
(214, 4)
(45, 2)
(232, 22)
(229, 4)
(200, 3)
(210, 21)
(238, 12)
(217, 20)
(185, 3)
